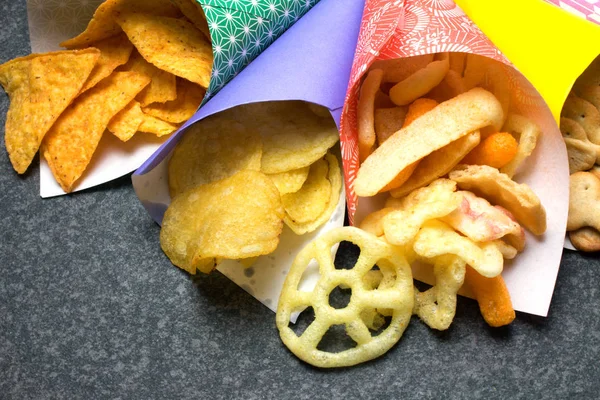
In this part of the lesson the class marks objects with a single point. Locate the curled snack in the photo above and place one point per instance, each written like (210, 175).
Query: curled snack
(419, 83)
(439, 127)
(492, 295)
(527, 132)
(584, 196)
(499, 189)
(366, 113)
(397, 296)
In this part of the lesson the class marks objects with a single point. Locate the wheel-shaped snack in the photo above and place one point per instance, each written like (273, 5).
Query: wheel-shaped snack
(396, 295)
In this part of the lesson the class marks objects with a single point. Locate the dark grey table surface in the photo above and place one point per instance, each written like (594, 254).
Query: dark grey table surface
(91, 308)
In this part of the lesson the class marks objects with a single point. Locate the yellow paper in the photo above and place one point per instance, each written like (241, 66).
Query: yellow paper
(548, 45)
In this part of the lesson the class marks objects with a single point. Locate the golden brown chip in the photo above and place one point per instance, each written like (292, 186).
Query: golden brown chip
(193, 11)
(235, 218)
(213, 149)
(189, 97)
(40, 87)
(335, 180)
(439, 127)
(163, 86)
(171, 44)
(69, 145)
(290, 181)
(103, 24)
(499, 189)
(114, 51)
(157, 126)
(388, 121)
(310, 201)
(127, 121)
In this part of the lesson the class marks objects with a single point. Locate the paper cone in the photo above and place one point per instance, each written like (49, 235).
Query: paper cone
(549, 46)
(310, 62)
(399, 29)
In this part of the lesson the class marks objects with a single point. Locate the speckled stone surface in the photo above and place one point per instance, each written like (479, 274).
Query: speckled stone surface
(90, 308)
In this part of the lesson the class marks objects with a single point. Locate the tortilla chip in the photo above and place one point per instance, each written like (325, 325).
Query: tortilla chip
(194, 12)
(127, 121)
(114, 51)
(163, 87)
(40, 87)
(189, 97)
(69, 145)
(103, 24)
(171, 44)
(157, 126)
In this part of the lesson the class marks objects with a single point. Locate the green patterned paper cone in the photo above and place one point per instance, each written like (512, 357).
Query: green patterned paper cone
(242, 29)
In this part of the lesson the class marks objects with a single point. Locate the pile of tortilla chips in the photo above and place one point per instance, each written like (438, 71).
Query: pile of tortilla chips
(140, 66)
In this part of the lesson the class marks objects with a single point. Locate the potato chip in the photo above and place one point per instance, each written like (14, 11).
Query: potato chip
(157, 126)
(499, 189)
(213, 149)
(127, 121)
(365, 113)
(163, 86)
(293, 136)
(69, 145)
(438, 164)
(388, 121)
(114, 51)
(335, 181)
(310, 201)
(290, 181)
(40, 87)
(103, 24)
(439, 127)
(171, 44)
(419, 83)
(193, 11)
(238, 217)
(189, 97)
(583, 112)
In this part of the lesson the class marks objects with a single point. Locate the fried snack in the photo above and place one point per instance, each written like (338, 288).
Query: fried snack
(162, 87)
(310, 201)
(103, 24)
(193, 11)
(238, 217)
(366, 113)
(373, 223)
(527, 132)
(584, 113)
(171, 44)
(434, 201)
(396, 296)
(452, 85)
(127, 121)
(157, 126)
(583, 199)
(382, 100)
(335, 181)
(419, 83)
(40, 87)
(388, 121)
(436, 238)
(213, 150)
(478, 220)
(492, 295)
(458, 61)
(437, 305)
(439, 127)
(416, 109)
(114, 51)
(399, 69)
(70, 144)
(290, 181)
(438, 164)
(189, 98)
(585, 239)
(475, 69)
(496, 150)
(293, 136)
(582, 156)
(499, 189)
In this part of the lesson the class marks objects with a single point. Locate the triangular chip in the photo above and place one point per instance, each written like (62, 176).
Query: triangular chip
(157, 126)
(40, 87)
(163, 87)
(127, 121)
(194, 12)
(103, 24)
(171, 44)
(189, 97)
(69, 145)
(114, 51)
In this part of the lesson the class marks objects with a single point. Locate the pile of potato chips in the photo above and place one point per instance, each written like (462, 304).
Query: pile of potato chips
(236, 177)
(140, 66)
